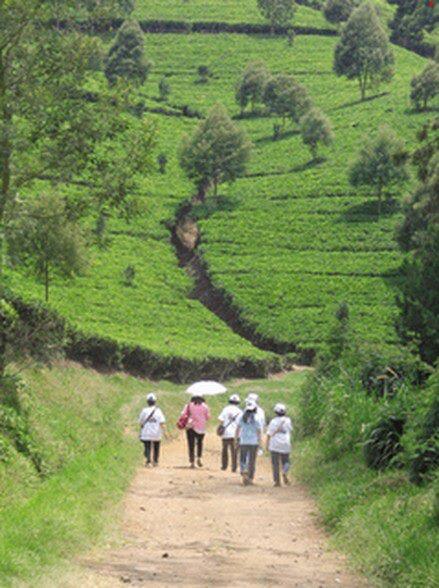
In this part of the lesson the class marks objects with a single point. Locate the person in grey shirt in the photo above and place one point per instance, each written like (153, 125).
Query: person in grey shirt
(249, 433)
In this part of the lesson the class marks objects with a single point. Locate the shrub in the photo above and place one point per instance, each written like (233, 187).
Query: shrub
(204, 74)
(425, 86)
(384, 442)
(164, 89)
(424, 459)
(129, 275)
(315, 128)
(337, 11)
(126, 58)
(384, 372)
(162, 161)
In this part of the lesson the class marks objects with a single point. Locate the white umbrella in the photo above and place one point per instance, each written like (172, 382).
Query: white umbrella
(207, 388)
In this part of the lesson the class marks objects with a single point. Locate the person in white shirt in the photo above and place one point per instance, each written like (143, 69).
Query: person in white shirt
(151, 422)
(279, 443)
(229, 418)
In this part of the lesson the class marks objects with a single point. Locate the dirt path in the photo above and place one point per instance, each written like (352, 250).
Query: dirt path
(202, 528)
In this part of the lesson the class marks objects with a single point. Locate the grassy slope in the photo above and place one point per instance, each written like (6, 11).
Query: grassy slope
(384, 523)
(75, 423)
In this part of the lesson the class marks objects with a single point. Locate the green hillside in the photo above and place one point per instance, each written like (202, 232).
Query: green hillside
(228, 11)
(156, 313)
(288, 242)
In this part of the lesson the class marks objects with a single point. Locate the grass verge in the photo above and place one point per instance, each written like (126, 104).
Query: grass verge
(385, 524)
(66, 514)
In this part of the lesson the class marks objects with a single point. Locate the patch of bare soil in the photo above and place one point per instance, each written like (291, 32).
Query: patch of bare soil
(202, 528)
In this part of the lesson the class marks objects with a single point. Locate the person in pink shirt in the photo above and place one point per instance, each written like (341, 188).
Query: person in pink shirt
(197, 413)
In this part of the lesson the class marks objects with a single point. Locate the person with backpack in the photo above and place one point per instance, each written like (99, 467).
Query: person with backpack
(227, 430)
(151, 422)
(249, 432)
(194, 419)
(279, 444)
(260, 412)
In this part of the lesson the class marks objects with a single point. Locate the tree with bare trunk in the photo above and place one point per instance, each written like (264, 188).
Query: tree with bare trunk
(363, 52)
(217, 152)
(279, 13)
(381, 163)
(44, 239)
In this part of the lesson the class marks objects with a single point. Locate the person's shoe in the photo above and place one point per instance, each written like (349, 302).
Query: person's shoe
(155, 464)
(223, 468)
(192, 466)
(245, 479)
(199, 463)
(286, 480)
(276, 484)
(148, 464)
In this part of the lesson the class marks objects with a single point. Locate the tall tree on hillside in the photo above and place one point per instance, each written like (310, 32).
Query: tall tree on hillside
(49, 129)
(286, 97)
(217, 152)
(338, 11)
(126, 58)
(381, 163)
(425, 86)
(251, 86)
(315, 128)
(418, 235)
(279, 13)
(363, 52)
(128, 6)
(412, 18)
(43, 238)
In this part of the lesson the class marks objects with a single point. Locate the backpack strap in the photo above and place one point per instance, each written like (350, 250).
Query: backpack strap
(149, 417)
(231, 420)
(280, 427)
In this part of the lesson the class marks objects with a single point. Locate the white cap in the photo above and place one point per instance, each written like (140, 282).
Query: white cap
(234, 398)
(151, 397)
(254, 397)
(250, 405)
(280, 408)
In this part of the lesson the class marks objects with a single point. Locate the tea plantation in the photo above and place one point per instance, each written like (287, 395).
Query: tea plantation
(287, 243)
(228, 11)
(156, 312)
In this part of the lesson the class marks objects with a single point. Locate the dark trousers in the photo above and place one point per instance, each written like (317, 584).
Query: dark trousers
(229, 446)
(276, 460)
(194, 439)
(155, 445)
(248, 459)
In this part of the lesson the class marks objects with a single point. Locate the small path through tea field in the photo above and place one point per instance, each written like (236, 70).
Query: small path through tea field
(202, 528)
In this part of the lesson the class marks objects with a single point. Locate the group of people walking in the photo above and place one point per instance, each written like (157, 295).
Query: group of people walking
(241, 430)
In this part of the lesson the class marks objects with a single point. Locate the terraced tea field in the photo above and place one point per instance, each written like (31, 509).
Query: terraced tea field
(293, 239)
(288, 242)
(230, 11)
(156, 313)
